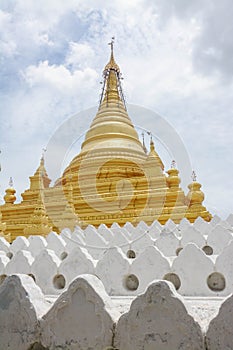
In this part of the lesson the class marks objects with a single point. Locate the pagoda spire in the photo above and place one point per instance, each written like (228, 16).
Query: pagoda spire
(40, 178)
(112, 90)
(111, 129)
(154, 154)
(112, 64)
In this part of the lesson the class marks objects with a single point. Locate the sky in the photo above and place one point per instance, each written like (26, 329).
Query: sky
(176, 60)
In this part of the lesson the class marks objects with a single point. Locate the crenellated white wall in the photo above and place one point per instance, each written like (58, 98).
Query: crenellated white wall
(85, 317)
(128, 258)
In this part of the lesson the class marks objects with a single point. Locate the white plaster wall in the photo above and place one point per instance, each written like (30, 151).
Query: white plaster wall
(218, 238)
(167, 243)
(82, 318)
(76, 263)
(112, 270)
(193, 268)
(127, 238)
(224, 265)
(66, 234)
(151, 264)
(215, 220)
(184, 223)
(220, 333)
(143, 240)
(154, 232)
(158, 320)
(3, 262)
(4, 245)
(21, 262)
(45, 268)
(21, 304)
(56, 243)
(73, 241)
(105, 232)
(201, 225)
(192, 235)
(20, 243)
(36, 244)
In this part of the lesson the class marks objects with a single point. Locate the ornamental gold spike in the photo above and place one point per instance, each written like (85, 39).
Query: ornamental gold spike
(11, 183)
(173, 164)
(112, 64)
(112, 89)
(194, 176)
(143, 142)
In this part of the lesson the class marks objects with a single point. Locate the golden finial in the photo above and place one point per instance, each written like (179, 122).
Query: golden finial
(173, 164)
(112, 64)
(112, 89)
(111, 44)
(152, 146)
(194, 176)
(143, 143)
(150, 134)
(42, 156)
(11, 183)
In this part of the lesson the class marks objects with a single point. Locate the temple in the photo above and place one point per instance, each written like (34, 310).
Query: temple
(113, 179)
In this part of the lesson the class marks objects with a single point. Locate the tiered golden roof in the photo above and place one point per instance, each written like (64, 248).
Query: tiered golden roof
(111, 180)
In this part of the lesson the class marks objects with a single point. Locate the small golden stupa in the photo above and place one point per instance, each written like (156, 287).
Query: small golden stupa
(112, 179)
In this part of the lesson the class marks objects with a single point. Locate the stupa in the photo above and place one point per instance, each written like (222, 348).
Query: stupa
(112, 179)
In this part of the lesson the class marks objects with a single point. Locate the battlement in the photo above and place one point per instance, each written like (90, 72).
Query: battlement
(181, 273)
(128, 258)
(85, 317)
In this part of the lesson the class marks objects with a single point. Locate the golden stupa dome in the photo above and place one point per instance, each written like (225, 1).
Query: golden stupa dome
(111, 134)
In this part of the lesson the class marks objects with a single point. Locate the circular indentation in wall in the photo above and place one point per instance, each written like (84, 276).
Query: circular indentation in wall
(32, 276)
(131, 282)
(216, 282)
(2, 278)
(178, 250)
(9, 255)
(208, 250)
(59, 282)
(173, 278)
(63, 255)
(131, 254)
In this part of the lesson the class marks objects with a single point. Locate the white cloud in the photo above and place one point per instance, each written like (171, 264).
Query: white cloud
(58, 77)
(79, 55)
(5, 19)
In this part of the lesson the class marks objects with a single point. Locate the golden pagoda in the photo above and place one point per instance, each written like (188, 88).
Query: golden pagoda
(112, 179)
